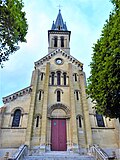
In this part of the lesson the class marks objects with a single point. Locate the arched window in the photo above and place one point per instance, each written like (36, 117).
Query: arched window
(100, 121)
(58, 96)
(40, 95)
(58, 78)
(77, 95)
(55, 42)
(75, 76)
(64, 78)
(52, 78)
(16, 118)
(59, 27)
(41, 76)
(62, 41)
(79, 120)
(37, 121)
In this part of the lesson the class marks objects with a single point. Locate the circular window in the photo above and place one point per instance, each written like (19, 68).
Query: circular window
(59, 61)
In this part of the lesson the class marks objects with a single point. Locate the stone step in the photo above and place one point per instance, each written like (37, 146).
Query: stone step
(59, 156)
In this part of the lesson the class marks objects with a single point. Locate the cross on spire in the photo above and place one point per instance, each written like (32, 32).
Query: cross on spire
(59, 7)
(59, 23)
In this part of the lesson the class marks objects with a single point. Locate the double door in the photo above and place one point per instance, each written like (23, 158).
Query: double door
(58, 135)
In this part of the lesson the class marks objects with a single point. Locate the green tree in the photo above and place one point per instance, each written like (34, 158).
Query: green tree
(104, 81)
(13, 27)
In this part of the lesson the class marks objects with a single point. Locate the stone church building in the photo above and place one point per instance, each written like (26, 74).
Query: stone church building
(53, 113)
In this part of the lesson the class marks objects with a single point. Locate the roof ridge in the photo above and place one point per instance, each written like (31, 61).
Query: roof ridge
(19, 93)
(63, 53)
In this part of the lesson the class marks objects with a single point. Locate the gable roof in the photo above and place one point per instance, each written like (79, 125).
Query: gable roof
(17, 94)
(63, 53)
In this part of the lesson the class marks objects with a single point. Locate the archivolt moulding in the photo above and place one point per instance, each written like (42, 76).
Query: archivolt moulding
(20, 108)
(58, 106)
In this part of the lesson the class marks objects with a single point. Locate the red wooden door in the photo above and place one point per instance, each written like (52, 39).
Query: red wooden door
(58, 135)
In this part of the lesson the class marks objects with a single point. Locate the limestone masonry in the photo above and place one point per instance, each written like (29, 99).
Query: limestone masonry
(53, 113)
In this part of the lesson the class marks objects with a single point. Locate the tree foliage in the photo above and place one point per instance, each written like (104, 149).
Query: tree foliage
(13, 27)
(104, 82)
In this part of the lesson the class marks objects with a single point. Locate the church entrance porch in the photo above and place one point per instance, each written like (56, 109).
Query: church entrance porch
(58, 135)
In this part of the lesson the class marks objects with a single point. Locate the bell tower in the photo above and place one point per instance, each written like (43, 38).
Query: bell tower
(59, 36)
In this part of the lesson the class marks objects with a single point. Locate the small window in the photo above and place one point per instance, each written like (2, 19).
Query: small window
(58, 96)
(100, 121)
(37, 121)
(40, 94)
(59, 27)
(64, 78)
(58, 78)
(59, 61)
(75, 76)
(16, 118)
(79, 120)
(77, 95)
(41, 76)
(55, 42)
(52, 78)
(62, 41)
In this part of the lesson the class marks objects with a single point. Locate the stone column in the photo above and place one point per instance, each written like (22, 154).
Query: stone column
(68, 135)
(55, 79)
(73, 112)
(44, 111)
(50, 80)
(11, 119)
(48, 143)
(59, 44)
(67, 80)
(62, 79)
(32, 107)
(85, 108)
(21, 119)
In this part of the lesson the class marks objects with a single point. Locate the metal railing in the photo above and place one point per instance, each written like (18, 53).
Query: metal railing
(20, 154)
(100, 154)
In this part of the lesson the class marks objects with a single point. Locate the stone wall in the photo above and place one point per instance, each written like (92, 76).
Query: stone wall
(14, 136)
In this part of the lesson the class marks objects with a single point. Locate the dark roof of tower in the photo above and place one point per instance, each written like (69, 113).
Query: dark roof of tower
(59, 23)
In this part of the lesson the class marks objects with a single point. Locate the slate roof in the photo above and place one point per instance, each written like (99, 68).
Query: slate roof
(59, 23)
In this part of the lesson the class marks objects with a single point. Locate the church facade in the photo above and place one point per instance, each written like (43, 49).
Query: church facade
(53, 113)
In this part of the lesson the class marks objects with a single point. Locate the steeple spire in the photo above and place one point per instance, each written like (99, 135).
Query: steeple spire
(59, 23)
(59, 36)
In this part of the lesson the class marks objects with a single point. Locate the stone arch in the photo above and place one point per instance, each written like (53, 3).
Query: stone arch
(79, 119)
(79, 115)
(38, 114)
(58, 106)
(22, 110)
(77, 90)
(59, 89)
(60, 70)
(40, 90)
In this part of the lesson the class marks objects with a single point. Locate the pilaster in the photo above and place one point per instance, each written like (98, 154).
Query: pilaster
(44, 111)
(73, 113)
(68, 135)
(86, 119)
(48, 141)
(32, 107)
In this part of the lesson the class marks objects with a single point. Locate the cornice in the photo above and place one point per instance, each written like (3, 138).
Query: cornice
(15, 95)
(64, 54)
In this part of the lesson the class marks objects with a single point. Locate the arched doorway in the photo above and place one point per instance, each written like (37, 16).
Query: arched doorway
(58, 114)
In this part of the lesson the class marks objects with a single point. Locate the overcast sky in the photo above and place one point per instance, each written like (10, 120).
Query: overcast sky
(85, 20)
